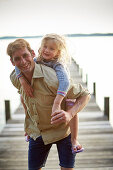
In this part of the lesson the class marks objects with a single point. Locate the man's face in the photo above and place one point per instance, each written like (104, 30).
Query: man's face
(23, 59)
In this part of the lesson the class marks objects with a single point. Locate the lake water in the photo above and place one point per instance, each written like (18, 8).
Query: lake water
(93, 54)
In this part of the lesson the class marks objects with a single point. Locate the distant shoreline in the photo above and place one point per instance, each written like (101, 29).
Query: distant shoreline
(68, 35)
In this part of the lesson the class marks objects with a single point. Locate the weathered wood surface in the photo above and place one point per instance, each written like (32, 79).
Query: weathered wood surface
(95, 134)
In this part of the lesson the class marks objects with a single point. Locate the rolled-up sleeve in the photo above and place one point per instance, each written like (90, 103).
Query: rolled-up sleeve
(77, 90)
(15, 80)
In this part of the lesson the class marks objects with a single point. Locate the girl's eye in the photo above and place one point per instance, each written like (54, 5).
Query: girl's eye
(52, 49)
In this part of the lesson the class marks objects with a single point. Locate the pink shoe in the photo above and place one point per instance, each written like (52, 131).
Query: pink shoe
(27, 138)
(77, 150)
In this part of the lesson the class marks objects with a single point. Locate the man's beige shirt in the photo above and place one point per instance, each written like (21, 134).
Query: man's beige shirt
(39, 108)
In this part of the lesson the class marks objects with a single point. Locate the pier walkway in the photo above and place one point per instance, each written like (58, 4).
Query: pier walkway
(95, 134)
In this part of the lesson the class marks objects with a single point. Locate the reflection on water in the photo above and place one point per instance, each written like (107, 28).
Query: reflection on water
(94, 54)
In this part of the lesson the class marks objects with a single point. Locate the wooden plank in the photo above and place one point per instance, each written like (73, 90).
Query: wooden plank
(95, 134)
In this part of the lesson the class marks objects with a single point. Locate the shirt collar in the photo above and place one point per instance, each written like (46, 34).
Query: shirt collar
(38, 71)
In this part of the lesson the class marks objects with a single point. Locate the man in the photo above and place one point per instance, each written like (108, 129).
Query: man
(44, 129)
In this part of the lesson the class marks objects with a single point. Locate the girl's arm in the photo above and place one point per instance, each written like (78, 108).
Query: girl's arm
(18, 73)
(63, 79)
(25, 85)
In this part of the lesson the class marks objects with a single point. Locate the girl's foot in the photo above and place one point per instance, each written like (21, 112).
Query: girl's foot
(76, 148)
(26, 137)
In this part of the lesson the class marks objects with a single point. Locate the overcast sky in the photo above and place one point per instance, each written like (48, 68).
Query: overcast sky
(38, 17)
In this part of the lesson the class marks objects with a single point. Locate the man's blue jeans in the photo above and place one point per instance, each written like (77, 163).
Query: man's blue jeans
(38, 152)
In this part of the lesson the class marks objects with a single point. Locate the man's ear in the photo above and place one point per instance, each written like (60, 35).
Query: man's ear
(12, 61)
(33, 53)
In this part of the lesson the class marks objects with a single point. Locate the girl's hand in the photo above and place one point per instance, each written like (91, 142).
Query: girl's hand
(26, 87)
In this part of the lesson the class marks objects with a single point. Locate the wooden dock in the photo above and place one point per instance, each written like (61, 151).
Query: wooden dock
(95, 134)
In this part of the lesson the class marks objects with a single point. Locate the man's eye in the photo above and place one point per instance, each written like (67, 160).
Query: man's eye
(25, 55)
(17, 59)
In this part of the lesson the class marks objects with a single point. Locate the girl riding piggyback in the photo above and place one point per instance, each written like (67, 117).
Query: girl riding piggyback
(53, 53)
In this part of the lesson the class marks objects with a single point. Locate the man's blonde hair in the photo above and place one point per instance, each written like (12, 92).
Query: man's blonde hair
(60, 42)
(16, 45)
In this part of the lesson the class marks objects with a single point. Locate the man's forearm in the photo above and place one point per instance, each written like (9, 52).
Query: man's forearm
(65, 116)
(80, 103)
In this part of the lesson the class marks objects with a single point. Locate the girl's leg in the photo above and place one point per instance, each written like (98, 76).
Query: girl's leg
(76, 147)
(74, 129)
(74, 133)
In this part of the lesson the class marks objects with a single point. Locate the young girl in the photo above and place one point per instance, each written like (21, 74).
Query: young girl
(53, 53)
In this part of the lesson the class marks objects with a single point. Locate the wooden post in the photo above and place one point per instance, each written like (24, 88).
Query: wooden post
(94, 89)
(106, 106)
(77, 67)
(81, 72)
(74, 61)
(7, 110)
(86, 79)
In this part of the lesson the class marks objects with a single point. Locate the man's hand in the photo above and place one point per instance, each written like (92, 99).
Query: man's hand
(60, 117)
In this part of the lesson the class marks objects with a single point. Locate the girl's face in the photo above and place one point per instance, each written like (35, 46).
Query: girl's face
(49, 50)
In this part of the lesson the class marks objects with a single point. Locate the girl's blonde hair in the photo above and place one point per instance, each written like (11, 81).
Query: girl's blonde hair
(60, 42)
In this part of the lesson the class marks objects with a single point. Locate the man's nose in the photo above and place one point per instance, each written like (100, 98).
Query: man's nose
(23, 61)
